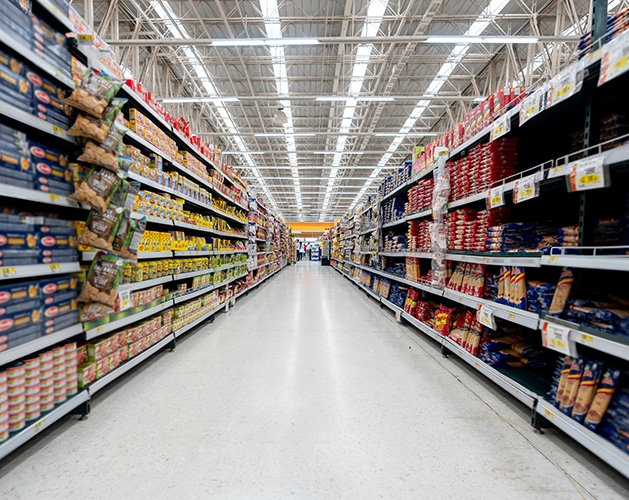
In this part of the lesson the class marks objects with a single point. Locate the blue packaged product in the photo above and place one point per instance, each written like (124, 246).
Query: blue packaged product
(17, 293)
(602, 399)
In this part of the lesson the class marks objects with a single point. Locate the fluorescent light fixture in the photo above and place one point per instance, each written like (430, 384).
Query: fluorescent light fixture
(199, 99)
(283, 134)
(242, 152)
(358, 98)
(256, 42)
(479, 99)
(338, 152)
(454, 39)
(417, 134)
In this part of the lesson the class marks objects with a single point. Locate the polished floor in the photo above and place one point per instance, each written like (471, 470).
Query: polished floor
(304, 390)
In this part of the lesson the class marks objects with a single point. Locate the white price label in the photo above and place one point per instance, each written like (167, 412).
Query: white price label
(496, 197)
(558, 171)
(500, 127)
(564, 85)
(485, 316)
(532, 106)
(588, 173)
(615, 58)
(525, 189)
(54, 268)
(56, 130)
(125, 299)
(7, 272)
(557, 337)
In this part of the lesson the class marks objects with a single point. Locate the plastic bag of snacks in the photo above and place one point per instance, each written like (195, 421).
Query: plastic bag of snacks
(94, 128)
(100, 228)
(102, 280)
(128, 237)
(125, 195)
(96, 188)
(105, 154)
(94, 94)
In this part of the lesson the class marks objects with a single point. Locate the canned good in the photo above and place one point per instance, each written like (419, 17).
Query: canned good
(31, 381)
(47, 406)
(71, 347)
(18, 424)
(33, 415)
(16, 381)
(32, 399)
(47, 366)
(46, 391)
(58, 384)
(59, 370)
(3, 378)
(4, 396)
(61, 397)
(30, 374)
(58, 353)
(19, 398)
(31, 364)
(72, 389)
(47, 375)
(16, 408)
(16, 391)
(15, 372)
(45, 357)
(4, 408)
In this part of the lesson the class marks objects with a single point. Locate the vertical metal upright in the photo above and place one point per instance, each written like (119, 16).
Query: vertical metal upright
(599, 28)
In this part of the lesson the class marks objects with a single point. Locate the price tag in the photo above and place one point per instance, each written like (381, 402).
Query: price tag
(564, 85)
(485, 316)
(54, 268)
(615, 58)
(558, 171)
(510, 316)
(7, 272)
(584, 337)
(500, 127)
(56, 130)
(557, 337)
(588, 173)
(125, 299)
(39, 425)
(553, 258)
(54, 197)
(85, 37)
(525, 189)
(549, 414)
(496, 197)
(532, 106)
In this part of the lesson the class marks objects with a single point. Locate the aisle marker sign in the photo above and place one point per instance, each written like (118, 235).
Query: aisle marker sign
(500, 127)
(589, 173)
(485, 316)
(526, 189)
(496, 196)
(557, 337)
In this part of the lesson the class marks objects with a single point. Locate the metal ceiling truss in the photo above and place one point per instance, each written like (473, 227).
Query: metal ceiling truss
(167, 45)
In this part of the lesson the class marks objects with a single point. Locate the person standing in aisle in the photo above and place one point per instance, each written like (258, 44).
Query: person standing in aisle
(297, 250)
(309, 250)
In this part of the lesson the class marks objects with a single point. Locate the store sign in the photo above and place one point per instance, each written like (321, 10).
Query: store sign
(615, 58)
(502, 126)
(496, 197)
(526, 189)
(485, 316)
(532, 105)
(557, 338)
(588, 173)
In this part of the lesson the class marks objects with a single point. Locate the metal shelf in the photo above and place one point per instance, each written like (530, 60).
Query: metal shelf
(197, 293)
(43, 270)
(367, 231)
(133, 362)
(225, 215)
(56, 13)
(392, 254)
(153, 219)
(524, 261)
(9, 111)
(408, 218)
(192, 274)
(88, 256)
(115, 325)
(518, 316)
(140, 285)
(601, 342)
(150, 183)
(46, 420)
(602, 448)
(33, 346)
(38, 62)
(18, 193)
(601, 262)
(469, 199)
(208, 230)
(415, 284)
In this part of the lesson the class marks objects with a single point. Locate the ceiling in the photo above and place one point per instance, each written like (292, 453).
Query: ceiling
(330, 154)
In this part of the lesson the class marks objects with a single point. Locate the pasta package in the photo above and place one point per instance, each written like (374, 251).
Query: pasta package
(602, 398)
(563, 380)
(562, 292)
(102, 280)
(587, 390)
(572, 387)
(94, 94)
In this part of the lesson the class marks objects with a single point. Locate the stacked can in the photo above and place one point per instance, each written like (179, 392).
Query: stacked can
(72, 374)
(32, 384)
(59, 374)
(4, 407)
(46, 381)
(16, 389)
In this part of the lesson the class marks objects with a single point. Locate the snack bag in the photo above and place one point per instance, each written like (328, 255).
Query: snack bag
(102, 280)
(105, 154)
(94, 128)
(96, 188)
(100, 229)
(94, 94)
(133, 238)
(91, 311)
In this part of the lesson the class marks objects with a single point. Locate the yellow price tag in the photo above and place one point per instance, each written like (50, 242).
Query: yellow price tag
(510, 315)
(100, 329)
(496, 199)
(584, 337)
(39, 424)
(589, 179)
(499, 130)
(553, 258)
(531, 110)
(56, 130)
(621, 63)
(526, 192)
(54, 197)
(54, 267)
(549, 413)
(557, 343)
(7, 272)
(564, 90)
(83, 37)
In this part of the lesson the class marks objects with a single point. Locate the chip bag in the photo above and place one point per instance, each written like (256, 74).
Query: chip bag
(94, 94)
(102, 280)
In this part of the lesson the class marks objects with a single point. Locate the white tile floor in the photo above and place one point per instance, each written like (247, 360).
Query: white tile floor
(305, 390)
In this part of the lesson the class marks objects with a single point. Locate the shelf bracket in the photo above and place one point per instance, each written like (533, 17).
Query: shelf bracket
(83, 410)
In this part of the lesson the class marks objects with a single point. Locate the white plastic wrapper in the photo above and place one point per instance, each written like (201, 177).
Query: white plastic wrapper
(438, 238)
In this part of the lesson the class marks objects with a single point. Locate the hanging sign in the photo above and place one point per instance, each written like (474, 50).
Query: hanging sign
(526, 189)
(500, 127)
(485, 316)
(615, 58)
(496, 197)
(557, 338)
(588, 173)
(532, 105)
(125, 299)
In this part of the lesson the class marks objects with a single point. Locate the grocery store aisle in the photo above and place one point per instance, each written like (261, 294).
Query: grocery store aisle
(305, 389)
